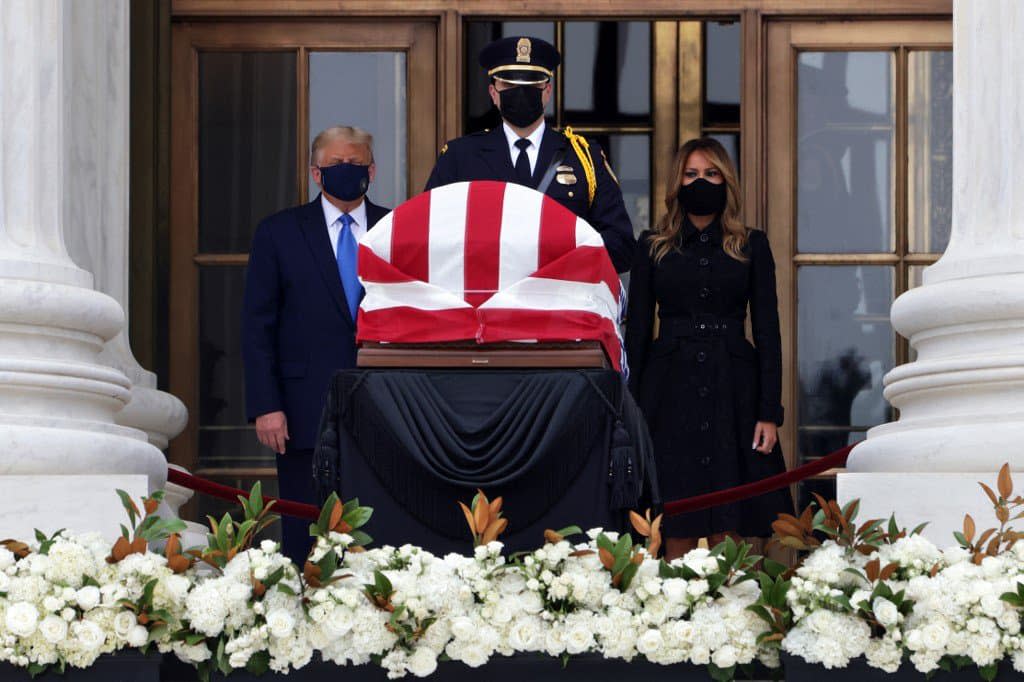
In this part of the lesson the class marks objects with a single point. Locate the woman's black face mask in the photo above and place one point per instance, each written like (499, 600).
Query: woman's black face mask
(702, 197)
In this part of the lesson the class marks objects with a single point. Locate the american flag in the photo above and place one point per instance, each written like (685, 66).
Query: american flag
(489, 261)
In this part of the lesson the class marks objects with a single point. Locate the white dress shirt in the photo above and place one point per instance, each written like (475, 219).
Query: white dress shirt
(332, 216)
(532, 151)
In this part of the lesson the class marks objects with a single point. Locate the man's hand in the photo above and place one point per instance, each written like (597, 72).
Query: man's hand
(272, 430)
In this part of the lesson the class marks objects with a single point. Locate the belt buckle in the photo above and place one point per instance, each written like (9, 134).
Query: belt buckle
(705, 325)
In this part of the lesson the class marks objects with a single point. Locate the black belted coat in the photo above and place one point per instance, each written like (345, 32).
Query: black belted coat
(701, 385)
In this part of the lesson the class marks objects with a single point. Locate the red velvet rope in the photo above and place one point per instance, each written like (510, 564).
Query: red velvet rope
(765, 485)
(226, 492)
(717, 498)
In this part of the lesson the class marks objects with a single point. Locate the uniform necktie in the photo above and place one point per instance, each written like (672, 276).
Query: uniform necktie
(347, 261)
(523, 174)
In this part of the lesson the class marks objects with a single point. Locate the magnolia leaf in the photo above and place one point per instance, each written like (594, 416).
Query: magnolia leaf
(470, 520)
(969, 528)
(1005, 482)
(639, 523)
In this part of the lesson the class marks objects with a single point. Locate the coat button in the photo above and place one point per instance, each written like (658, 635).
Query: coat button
(704, 261)
(704, 238)
(703, 391)
(705, 292)
(705, 461)
(705, 426)
(701, 356)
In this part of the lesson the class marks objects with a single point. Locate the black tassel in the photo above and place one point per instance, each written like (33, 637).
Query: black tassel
(623, 473)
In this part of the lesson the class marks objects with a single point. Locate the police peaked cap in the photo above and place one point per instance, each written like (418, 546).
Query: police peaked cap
(520, 60)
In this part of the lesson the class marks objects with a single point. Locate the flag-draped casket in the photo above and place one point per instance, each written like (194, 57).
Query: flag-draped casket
(487, 261)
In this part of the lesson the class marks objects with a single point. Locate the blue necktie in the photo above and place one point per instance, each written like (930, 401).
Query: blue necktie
(347, 259)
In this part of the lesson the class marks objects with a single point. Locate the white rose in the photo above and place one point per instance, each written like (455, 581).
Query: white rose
(578, 640)
(423, 662)
(138, 636)
(463, 628)
(523, 634)
(88, 597)
(53, 604)
(89, 635)
(68, 614)
(53, 629)
(935, 635)
(992, 605)
(280, 623)
(123, 623)
(649, 642)
(268, 546)
(22, 618)
(674, 590)
(724, 657)
(697, 588)
(886, 612)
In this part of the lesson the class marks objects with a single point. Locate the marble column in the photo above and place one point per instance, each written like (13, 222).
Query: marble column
(62, 452)
(961, 402)
(97, 122)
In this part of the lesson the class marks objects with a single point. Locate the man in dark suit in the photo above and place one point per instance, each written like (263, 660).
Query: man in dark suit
(567, 167)
(299, 312)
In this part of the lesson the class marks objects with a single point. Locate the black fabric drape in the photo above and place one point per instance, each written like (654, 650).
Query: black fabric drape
(411, 443)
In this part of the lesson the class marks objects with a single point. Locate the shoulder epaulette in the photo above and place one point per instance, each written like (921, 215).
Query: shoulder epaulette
(582, 149)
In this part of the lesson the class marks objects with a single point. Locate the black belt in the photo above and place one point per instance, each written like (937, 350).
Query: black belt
(699, 326)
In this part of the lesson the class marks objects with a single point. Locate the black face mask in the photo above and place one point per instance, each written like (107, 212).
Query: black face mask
(346, 181)
(522, 105)
(702, 197)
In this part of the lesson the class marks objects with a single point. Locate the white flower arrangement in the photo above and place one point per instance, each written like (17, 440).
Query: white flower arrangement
(875, 592)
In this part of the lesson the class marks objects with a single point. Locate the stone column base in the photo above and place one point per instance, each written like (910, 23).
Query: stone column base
(82, 503)
(941, 499)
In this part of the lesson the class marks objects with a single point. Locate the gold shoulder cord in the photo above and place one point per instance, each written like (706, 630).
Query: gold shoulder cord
(582, 149)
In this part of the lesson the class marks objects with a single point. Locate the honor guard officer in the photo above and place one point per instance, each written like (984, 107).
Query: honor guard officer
(565, 166)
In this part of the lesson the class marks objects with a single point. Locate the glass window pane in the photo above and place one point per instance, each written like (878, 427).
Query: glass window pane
(630, 159)
(845, 345)
(232, 446)
(480, 113)
(930, 150)
(368, 90)
(721, 73)
(247, 106)
(607, 71)
(221, 376)
(731, 142)
(845, 128)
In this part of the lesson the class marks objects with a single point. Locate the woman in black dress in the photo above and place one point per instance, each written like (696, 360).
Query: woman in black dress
(711, 399)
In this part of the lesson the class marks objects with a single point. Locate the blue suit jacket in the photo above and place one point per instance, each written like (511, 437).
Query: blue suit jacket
(296, 326)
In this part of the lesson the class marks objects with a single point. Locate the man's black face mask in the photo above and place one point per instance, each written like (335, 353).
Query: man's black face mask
(521, 105)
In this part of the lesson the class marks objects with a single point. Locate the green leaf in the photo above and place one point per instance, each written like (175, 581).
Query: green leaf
(258, 663)
(989, 672)
(919, 529)
(959, 537)
(360, 539)
(358, 516)
(774, 568)
(283, 587)
(627, 575)
(569, 531)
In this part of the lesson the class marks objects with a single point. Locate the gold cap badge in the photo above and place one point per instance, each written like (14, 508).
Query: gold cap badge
(523, 50)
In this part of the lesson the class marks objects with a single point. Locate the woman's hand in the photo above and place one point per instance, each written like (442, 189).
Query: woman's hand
(766, 434)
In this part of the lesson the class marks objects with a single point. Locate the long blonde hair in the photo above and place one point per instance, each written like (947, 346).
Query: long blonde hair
(666, 232)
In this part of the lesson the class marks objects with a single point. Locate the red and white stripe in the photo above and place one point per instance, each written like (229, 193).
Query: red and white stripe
(488, 261)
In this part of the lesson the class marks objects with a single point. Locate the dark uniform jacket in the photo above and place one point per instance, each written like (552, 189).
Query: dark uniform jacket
(485, 156)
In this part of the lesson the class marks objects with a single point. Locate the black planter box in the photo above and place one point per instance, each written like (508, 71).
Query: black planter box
(799, 670)
(525, 668)
(123, 665)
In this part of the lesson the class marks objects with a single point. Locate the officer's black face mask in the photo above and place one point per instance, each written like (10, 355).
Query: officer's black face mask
(522, 105)
(702, 197)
